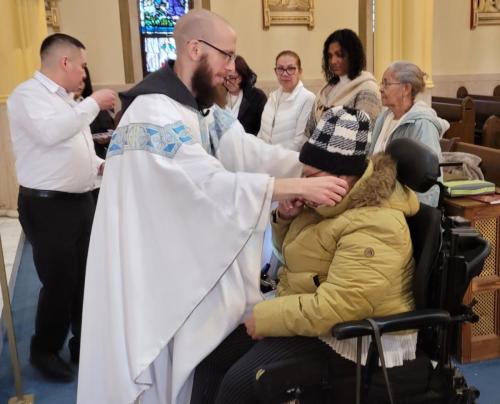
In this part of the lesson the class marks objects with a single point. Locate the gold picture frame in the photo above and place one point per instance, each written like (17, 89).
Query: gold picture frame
(484, 12)
(288, 12)
(52, 14)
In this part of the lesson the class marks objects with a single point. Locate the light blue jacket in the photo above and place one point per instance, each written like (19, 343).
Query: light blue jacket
(421, 123)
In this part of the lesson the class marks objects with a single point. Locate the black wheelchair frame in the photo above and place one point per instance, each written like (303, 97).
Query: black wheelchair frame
(446, 262)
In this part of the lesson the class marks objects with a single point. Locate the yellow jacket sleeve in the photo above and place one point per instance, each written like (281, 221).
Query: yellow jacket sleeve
(359, 273)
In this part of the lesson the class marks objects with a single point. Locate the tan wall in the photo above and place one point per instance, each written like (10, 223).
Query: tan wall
(259, 47)
(97, 24)
(8, 181)
(100, 32)
(462, 56)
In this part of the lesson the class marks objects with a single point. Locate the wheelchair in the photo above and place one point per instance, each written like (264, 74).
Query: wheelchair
(448, 253)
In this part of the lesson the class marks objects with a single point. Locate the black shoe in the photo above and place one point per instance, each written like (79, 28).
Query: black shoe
(52, 366)
(74, 350)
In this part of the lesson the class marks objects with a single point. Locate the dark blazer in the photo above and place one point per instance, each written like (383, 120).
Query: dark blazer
(252, 105)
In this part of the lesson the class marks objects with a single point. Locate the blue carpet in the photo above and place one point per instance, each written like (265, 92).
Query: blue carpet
(484, 375)
(24, 308)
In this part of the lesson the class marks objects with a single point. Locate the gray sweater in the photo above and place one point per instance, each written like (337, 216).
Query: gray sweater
(421, 123)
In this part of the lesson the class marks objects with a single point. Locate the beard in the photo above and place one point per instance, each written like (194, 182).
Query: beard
(202, 86)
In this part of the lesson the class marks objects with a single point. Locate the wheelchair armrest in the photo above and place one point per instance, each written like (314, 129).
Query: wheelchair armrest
(396, 322)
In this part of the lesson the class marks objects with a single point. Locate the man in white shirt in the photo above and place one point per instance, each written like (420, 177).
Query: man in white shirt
(174, 257)
(57, 168)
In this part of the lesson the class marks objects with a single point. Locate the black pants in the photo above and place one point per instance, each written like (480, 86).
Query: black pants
(228, 374)
(59, 231)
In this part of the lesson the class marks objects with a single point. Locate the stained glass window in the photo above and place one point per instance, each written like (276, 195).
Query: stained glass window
(157, 21)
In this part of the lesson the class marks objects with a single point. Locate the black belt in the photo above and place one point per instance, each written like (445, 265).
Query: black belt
(42, 193)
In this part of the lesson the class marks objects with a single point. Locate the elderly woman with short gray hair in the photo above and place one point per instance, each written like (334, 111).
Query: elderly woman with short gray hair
(405, 117)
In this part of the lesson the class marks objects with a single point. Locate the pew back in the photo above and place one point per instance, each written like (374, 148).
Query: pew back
(491, 132)
(490, 158)
(459, 113)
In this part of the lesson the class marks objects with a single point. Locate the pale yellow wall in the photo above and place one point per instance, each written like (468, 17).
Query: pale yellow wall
(259, 47)
(97, 24)
(457, 49)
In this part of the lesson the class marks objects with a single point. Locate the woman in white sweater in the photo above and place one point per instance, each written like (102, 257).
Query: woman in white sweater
(287, 109)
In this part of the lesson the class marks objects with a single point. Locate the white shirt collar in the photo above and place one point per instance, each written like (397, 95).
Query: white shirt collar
(51, 85)
(291, 96)
(344, 79)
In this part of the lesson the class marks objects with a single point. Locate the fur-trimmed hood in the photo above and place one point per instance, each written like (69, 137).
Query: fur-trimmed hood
(377, 186)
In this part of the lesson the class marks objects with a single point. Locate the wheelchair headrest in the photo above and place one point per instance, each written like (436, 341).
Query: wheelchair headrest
(417, 164)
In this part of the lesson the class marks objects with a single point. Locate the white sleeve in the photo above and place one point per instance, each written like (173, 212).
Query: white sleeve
(240, 151)
(305, 111)
(51, 125)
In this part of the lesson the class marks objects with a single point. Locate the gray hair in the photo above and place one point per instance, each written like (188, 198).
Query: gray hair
(409, 73)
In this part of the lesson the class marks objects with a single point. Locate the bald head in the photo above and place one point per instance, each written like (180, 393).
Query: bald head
(206, 46)
(201, 24)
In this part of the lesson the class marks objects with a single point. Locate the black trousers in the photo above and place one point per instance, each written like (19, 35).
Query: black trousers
(59, 231)
(228, 374)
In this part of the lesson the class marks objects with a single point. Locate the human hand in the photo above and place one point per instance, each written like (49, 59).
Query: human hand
(327, 190)
(290, 208)
(105, 98)
(251, 327)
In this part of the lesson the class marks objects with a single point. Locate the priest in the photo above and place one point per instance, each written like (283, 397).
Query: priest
(174, 257)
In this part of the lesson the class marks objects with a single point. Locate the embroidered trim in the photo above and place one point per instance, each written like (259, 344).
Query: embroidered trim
(204, 134)
(163, 140)
(221, 123)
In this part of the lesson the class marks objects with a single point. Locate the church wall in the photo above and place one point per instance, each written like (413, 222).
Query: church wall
(97, 24)
(102, 37)
(462, 56)
(259, 47)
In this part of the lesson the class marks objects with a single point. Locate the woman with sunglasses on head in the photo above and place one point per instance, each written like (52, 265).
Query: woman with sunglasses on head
(405, 117)
(347, 83)
(243, 100)
(288, 108)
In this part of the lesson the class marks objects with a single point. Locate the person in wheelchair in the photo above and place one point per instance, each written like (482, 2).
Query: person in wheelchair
(342, 263)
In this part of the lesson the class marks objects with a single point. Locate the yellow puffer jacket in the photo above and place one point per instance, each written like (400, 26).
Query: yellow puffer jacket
(346, 262)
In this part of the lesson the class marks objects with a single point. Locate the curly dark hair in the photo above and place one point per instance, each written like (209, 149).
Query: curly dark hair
(353, 50)
(248, 76)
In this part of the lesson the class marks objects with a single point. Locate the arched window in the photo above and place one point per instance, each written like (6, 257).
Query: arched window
(157, 20)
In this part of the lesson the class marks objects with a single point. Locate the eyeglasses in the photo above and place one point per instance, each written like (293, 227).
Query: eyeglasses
(232, 79)
(230, 57)
(290, 70)
(385, 83)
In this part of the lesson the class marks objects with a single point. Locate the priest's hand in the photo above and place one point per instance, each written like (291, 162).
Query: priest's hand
(251, 327)
(323, 190)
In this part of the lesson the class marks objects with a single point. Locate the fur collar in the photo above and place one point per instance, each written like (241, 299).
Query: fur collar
(376, 187)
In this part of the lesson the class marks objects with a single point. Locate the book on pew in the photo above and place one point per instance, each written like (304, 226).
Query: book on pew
(492, 199)
(468, 188)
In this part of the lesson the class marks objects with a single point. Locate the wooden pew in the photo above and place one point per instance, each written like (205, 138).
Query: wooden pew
(459, 113)
(485, 106)
(491, 132)
(462, 92)
(490, 158)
